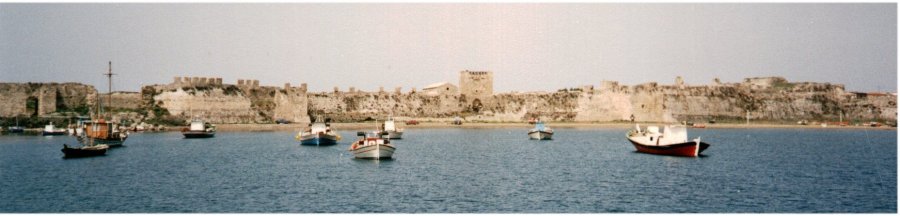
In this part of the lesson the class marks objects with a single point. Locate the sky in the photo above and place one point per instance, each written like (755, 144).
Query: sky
(529, 47)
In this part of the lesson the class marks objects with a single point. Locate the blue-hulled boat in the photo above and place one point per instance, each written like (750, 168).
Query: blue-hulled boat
(318, 134)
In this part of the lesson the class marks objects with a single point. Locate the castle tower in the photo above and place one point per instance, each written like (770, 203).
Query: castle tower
(476, 84)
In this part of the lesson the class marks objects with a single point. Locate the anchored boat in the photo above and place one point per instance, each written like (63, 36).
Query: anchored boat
(103, 132)
(17, 128)
(199, 129)
(51, 130)
(84, 151)
(540, 132)
(672, 141)
(372, 146)
(98, 130)
(393, 132)
(318, 134)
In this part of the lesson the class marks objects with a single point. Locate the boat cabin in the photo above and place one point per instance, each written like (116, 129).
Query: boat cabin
(100, 129)
(371, 138)
(669, 135)
(200, 126)
(389, 125)
(319, 127)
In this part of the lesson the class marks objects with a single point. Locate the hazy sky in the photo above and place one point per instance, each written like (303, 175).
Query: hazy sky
(530, 47)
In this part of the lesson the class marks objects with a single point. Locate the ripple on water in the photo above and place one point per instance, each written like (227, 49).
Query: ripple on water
(459, 170)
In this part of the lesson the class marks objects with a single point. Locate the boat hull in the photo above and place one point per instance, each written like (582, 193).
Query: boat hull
(53, 133)
(318, 139)
(196, 134)
(83, 152)
(16, 130)
(395, 135)
(112, 143)
(686, 149)
(540, 135)
(379, 151)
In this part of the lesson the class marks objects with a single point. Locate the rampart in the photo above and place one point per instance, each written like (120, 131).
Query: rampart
(766, 98)
(41, 99)
(211, 100)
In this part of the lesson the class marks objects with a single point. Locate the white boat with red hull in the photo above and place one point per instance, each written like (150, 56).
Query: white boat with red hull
(672, 141)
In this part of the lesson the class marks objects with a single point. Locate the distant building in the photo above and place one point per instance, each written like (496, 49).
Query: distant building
(476, 84)
(441, 88)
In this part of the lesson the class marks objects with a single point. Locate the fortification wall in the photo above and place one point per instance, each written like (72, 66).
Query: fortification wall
(122, 100)
(213, 105)
(211, 100)
(27, 99)
(358, 106)
(772, 99)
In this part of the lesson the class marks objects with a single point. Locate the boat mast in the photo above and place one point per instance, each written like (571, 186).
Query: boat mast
(109, 75)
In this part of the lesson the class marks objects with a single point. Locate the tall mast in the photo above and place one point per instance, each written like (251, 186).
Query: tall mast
(109, 75)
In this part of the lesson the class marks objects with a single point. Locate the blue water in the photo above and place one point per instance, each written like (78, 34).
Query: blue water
(459, 170)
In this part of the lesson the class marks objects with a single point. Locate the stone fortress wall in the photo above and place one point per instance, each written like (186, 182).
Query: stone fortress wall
(211, 100)
(763, 98)
(43, 99)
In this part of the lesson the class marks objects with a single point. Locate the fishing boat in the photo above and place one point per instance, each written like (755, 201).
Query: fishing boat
(672, 141)
(51, 130)
(199, 129)
(17, 128)
(100, 131)
(84, 151)
(392, 131)
(103, 132)
(540, 132)
(318, 134)
(372, 146)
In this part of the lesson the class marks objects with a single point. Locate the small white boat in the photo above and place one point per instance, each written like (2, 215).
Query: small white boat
(672, 141)
(199, 129)
(51, 130)
(372, 146)
(393, 132)
(540, 132)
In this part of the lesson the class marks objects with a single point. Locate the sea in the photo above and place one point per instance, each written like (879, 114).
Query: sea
(454, 170)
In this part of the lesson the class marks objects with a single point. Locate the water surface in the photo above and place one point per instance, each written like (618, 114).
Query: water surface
(459, 170)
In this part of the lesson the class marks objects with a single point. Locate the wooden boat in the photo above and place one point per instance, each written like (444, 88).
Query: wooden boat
(540, 132)
(698, 125)
(372, 146)
(51, 130)
(84, 151)
(199, 129)
(100, 131)
(393, 132)
(103, 132)
(318, 134)
(672, 141)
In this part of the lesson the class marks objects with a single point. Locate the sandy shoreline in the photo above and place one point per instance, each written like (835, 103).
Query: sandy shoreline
(371, 125)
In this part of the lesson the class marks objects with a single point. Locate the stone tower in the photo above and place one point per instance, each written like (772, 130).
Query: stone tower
(476, 84)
